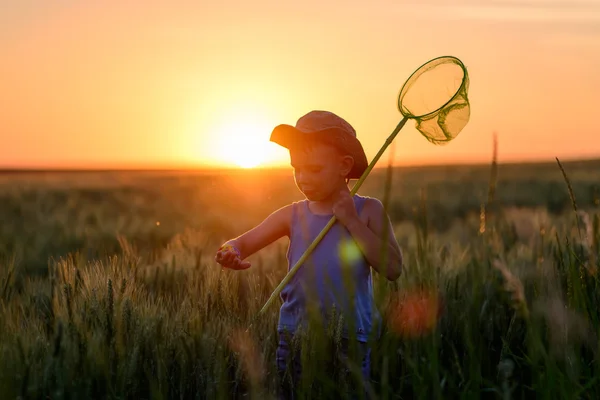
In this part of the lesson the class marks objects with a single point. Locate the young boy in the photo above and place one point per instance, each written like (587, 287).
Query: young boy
(325, 154)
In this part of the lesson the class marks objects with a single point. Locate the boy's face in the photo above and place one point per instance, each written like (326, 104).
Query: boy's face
(319, 169)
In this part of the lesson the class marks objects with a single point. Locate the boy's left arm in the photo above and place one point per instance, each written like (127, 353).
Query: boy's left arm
(369, 235)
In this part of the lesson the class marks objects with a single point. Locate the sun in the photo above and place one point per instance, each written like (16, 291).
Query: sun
(244, 142)
(246, 152)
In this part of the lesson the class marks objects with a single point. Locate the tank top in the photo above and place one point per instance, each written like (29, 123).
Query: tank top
(335, 274)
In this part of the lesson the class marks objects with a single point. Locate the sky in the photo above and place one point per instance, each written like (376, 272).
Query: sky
(103, 84)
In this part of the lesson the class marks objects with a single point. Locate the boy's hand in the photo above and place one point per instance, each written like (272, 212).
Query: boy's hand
(345, 209)
(229, 257)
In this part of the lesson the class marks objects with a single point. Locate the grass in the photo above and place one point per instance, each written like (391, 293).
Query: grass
(98, 300)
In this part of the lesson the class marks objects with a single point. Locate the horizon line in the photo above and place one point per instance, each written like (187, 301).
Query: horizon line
(209, 168)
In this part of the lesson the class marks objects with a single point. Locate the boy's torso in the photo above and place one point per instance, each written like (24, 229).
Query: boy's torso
(335, 274)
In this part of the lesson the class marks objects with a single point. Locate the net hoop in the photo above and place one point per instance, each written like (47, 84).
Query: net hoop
(418, 72)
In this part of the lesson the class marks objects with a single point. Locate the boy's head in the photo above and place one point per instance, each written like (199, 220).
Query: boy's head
(324, 150)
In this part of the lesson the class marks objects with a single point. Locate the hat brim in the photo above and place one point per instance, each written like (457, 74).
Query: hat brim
(289, 137)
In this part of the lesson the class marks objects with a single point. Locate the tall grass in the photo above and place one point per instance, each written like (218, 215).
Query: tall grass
(501, 313)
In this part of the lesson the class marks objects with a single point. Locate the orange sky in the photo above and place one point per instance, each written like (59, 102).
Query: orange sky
(143, 83)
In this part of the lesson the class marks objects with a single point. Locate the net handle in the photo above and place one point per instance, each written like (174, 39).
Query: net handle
(332, 221)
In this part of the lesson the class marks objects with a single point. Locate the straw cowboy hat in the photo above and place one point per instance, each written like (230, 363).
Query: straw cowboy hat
(324, 126)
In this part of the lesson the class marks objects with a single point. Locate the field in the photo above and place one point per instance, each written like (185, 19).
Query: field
(108, 288)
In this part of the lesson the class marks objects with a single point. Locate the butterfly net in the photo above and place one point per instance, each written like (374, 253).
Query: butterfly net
(435, 96)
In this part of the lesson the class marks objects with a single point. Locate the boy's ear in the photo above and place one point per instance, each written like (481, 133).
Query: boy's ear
(347, 162)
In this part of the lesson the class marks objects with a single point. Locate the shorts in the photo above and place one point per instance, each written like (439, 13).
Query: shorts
(289, 369)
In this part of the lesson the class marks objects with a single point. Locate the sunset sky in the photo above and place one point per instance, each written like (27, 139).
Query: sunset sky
(182, 83)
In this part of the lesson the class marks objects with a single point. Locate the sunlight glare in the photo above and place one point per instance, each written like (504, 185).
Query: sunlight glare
(245, 142)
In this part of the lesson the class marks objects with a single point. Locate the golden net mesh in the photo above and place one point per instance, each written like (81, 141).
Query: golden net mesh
(435, 96)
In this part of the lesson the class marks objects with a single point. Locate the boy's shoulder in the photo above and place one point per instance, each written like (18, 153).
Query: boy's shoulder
(372, 206)
(371, 202)
(287, 209)
(285, 213)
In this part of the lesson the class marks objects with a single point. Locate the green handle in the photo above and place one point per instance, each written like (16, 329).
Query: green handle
(332, 221)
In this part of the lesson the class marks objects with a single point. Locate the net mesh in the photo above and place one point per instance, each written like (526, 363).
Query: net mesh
(435, 96)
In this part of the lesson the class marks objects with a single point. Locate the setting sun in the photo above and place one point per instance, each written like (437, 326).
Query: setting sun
(245, 143)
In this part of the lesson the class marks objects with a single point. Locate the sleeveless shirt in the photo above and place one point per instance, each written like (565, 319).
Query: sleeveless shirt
(330, 276)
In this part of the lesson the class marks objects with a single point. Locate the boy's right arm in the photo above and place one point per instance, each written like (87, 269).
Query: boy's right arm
(275, 226)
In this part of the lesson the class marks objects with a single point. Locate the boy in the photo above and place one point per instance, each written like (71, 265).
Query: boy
(325, 154)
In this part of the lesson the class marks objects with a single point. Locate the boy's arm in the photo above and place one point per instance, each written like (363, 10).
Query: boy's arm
(275, 226)
(369, 237)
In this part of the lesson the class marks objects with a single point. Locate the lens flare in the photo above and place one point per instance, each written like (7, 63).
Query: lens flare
(349, 252)
(414, 314)
(249, 355)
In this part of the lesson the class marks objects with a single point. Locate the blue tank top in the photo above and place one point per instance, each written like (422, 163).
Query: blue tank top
(327, 279)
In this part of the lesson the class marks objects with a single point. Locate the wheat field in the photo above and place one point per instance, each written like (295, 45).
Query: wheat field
(108, 287)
